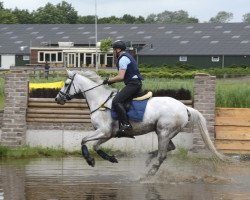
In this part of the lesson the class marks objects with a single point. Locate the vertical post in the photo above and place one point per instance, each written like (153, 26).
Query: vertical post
(14, 116)
(223, 61)
(204, 102)
(96, 57)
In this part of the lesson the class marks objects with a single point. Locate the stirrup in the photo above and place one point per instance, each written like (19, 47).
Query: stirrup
(123, 133)
(119, 135)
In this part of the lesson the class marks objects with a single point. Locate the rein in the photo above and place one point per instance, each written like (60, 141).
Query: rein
(69, 97)
(103, 104)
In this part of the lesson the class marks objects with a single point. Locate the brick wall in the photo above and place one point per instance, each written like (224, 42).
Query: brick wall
(14, 115)
(204, 101)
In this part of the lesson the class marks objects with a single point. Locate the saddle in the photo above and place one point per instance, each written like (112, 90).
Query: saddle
(141, 96)
(135, 108)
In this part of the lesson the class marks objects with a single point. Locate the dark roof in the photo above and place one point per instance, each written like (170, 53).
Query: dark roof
(159, 39)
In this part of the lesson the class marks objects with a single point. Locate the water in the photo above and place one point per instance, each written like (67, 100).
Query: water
(71, 178)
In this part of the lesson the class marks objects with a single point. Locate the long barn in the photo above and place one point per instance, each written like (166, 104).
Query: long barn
(73, 45)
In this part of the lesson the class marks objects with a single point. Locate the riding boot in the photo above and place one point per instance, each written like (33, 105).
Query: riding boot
(124, 125)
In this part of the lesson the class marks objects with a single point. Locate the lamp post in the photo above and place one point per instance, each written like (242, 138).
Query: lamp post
(96, 58)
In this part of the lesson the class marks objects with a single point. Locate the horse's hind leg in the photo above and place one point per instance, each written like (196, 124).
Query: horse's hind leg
(164, 138)
(103, 154)
(153, 154)
(163, 141)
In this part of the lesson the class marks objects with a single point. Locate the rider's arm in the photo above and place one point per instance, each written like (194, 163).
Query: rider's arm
(123, 64)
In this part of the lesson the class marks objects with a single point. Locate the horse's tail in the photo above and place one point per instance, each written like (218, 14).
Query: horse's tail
(197, 118)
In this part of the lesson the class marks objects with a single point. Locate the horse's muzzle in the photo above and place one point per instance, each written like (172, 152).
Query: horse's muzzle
(60, 101)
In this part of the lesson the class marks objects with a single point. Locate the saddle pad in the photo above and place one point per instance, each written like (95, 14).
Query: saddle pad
(135, 112)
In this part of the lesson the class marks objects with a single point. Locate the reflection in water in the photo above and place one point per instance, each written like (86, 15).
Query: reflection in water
(71, 178)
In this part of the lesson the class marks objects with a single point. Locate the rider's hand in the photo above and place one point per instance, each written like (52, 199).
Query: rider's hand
(106, 81)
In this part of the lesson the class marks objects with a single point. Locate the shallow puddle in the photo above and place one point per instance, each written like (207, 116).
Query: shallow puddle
(72, 178)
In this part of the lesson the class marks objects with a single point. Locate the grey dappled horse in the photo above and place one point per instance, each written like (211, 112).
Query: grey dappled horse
(163, 115)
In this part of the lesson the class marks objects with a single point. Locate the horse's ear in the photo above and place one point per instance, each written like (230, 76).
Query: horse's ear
(70, 73)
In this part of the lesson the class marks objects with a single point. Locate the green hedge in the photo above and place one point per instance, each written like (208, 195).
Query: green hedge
(184, 72)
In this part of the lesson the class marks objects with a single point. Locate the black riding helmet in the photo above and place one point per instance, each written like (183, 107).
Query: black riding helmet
(119, 45)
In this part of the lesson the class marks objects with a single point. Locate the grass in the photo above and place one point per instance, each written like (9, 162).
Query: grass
(41, 152)
(30, 152)
(233, 93)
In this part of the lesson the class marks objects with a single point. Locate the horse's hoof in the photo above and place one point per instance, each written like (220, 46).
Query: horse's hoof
(148, 161)
(153, 170)
(91, 162)
(113, 159)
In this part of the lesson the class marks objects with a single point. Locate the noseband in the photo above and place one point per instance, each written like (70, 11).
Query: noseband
(66, 94)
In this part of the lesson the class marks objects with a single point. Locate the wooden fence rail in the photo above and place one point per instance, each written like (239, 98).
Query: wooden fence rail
(47, 110)
(232, 128)
(74, 111)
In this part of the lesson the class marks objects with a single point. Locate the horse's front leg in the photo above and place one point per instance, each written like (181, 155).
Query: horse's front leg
(85, 152)
(103, 154)
(86, 155)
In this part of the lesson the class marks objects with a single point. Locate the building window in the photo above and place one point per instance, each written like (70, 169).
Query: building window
(183, 58)
(52, 56)
(41, 57)
(215, 58)
(88, 59)
(59, 56)
(26, 57)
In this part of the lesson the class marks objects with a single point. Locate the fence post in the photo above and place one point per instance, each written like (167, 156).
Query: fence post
(204, 101)
(14, 116)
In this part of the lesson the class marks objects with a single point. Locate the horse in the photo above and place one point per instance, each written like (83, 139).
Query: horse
(165, 116)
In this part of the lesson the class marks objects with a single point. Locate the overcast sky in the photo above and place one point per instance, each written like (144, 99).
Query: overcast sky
(201, 9)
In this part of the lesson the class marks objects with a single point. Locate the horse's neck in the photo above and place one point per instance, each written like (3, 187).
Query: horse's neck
(96, 96)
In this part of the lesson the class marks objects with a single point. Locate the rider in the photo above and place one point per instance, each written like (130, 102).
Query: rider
(128, 72)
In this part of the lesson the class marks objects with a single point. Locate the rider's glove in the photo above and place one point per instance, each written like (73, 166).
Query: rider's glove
(106, 81)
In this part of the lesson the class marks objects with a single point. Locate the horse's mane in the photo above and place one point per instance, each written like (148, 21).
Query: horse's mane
(92, 76)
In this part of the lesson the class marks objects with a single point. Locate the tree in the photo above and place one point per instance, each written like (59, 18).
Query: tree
(1, 5)
(60, 14)
(68, 11)
(23, 16)
(128, 19)
(106, 44)
(89, 19)
(180, 16)
(246, 17)
(151, 18)
(6, 17)
(222, 17)
(110, 20)
(48, 15)
(140, 20)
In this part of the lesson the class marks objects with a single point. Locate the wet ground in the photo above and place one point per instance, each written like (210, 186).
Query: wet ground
(71, 178)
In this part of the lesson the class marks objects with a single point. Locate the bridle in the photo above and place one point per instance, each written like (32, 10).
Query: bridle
(67, 96)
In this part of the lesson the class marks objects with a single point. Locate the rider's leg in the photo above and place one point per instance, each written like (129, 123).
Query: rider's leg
(123, 119)
(125, 95)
